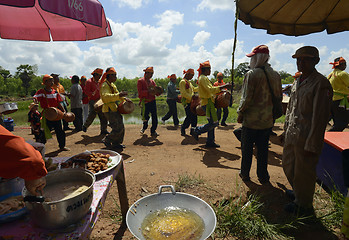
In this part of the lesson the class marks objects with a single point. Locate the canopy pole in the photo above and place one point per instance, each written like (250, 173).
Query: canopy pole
(235, 37)
(234, 47)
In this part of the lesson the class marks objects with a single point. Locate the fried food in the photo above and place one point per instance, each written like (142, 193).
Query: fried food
(11, 204)
(95, 162)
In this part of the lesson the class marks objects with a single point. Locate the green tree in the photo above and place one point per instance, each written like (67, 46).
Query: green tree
(5, 73)
(227, 72)
(26, 73)
(284, 74)
(13, 86)
(241, 69)
(215, 74)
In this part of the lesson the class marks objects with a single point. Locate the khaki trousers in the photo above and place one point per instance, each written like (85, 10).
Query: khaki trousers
(300, 169)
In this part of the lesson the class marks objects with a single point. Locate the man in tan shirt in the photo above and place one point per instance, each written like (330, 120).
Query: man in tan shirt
(307, 115)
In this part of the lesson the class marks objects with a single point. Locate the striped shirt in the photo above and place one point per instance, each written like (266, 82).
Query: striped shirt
(48, 98)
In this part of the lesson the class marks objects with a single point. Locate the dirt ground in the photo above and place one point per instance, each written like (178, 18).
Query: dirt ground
(151, 162)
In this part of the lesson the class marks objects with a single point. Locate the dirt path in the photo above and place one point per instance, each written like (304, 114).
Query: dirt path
(151, 162)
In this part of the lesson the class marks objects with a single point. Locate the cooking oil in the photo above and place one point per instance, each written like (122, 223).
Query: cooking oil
(173, 223)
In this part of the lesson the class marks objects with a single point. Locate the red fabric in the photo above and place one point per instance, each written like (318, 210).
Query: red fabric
(18, 158)
(84, 95)
(14, 22)
(259, 49)
(142, 87)
(18, 3)
(48, 98)
(90, 87)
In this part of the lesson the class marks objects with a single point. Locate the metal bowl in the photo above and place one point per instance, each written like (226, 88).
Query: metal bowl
(12, 216)
(157, 201)
(59, 214)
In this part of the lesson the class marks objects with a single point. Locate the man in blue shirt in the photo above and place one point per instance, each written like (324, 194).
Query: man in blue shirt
(172, 96)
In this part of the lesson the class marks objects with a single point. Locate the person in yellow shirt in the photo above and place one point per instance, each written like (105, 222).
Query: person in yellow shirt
(207, 94)
(340, 105)
(110, 97)
(60, 89)
(187, 92)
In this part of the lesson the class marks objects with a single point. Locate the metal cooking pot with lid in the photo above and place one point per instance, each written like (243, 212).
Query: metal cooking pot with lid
(157, 201)
(62, 213)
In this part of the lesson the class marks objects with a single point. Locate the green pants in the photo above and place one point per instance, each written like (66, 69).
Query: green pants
(300, 169)
(116, 136)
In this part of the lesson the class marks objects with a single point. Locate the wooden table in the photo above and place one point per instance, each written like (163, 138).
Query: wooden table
(24, 228)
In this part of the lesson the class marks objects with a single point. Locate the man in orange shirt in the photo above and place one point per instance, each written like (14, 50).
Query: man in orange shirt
(220, 82)
(146, 94)
(20, 159)
(92, 91)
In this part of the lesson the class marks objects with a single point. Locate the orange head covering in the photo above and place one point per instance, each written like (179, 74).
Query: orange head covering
(148, 69)
(203, 65)
(173, 76)
(98, 70)
(110, 71)
(83, 77)
(45, 78)
(190, 70)
(297, 75)
(219, 74)
(337, 62)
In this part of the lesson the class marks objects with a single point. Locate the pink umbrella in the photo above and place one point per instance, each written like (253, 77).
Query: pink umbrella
(64, 20)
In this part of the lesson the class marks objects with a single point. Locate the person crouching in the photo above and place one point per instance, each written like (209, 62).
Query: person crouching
(110, 95)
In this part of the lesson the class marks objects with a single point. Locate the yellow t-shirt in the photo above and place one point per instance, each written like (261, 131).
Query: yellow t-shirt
(206, 90)
(340, 83)
(186, 93)
(109, 98)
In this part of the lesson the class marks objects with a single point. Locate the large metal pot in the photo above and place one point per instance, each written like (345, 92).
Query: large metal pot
(157, 201)
(59, 214)
(7, 108)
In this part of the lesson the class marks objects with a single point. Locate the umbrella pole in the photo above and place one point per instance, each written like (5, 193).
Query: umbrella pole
(234, 47)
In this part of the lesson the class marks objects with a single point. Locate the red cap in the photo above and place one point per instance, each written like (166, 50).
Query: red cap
(259, 49)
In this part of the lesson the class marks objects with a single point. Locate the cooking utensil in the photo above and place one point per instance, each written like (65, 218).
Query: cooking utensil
(62, 213)
(157, 201)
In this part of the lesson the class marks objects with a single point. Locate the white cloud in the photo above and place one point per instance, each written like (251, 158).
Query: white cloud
(135, 46)
(281, 55)
(169, 18)
(213, 5)
(325, 58)
(134, 4)
(200, 38)
(200, 23)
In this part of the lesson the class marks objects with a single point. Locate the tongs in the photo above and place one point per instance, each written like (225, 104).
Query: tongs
(39, 199)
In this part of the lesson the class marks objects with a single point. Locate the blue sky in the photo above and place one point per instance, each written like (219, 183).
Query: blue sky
(171, 36)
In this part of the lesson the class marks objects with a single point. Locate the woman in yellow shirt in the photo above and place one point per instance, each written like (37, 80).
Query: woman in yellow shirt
(207, 94)
(110, 95)
(187, 92)
(340, 105)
